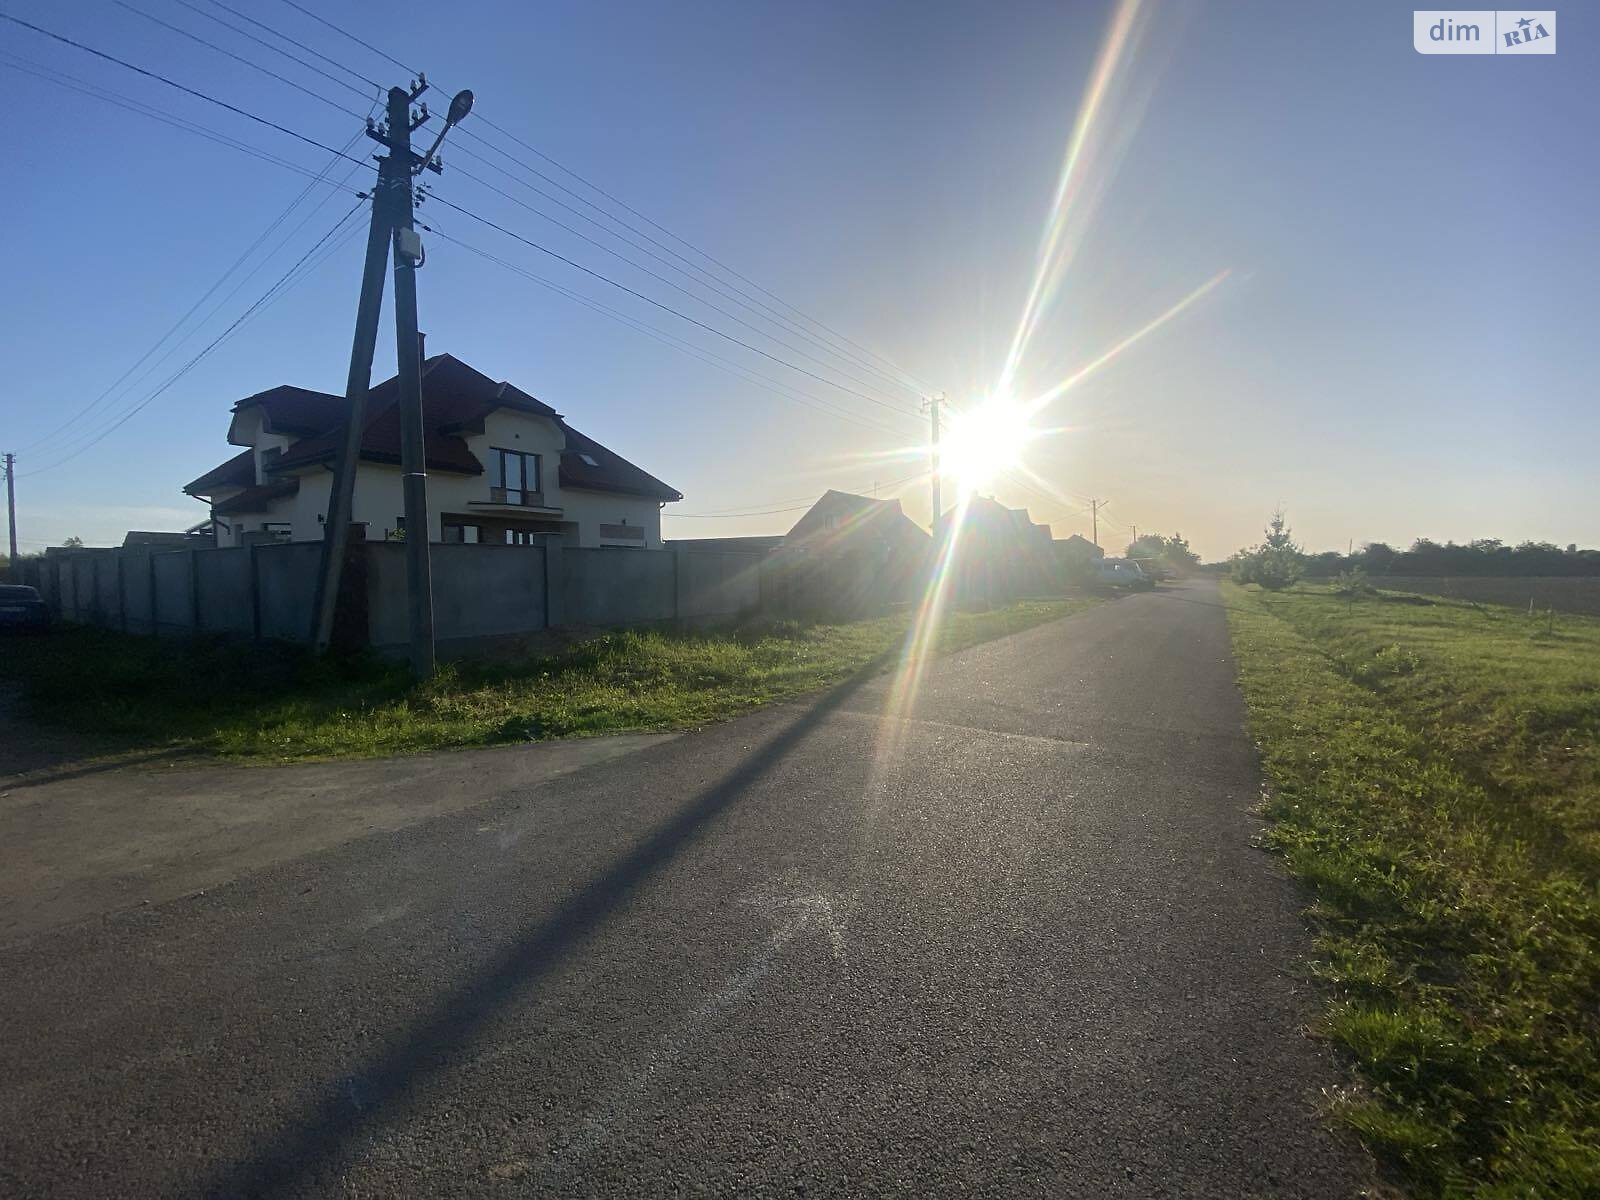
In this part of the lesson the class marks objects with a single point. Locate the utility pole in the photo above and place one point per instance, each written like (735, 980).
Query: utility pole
(1094, 515)
(931, 407)
(1135, 529)
(392, 206)
(408, 353)
(14, 569)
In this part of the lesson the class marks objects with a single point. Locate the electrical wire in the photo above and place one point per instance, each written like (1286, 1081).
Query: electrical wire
(810, 502)
(282, 284)
(665, 307)
(221, 279)
(689, 270)
(66, 41)
(332, 62)
(790, 346)
(139, 107)
(255, 66)
(598, 190)
(657, 334)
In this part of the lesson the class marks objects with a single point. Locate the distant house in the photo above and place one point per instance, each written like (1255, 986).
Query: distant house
(1077, 550)
(502, 467)
(162, 540)
(849, 555)
(1000, 553)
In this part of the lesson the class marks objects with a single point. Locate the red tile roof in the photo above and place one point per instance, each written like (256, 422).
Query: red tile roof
(295, 410)
(455, 400)
(238, 471)
(255, 499)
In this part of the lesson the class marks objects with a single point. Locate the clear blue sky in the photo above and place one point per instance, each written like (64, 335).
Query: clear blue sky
(1404, 345)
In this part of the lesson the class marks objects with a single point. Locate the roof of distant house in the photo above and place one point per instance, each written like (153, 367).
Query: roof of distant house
(455, 400)
(837, 511)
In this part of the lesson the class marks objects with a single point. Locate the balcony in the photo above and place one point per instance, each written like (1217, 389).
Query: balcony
(514, 501)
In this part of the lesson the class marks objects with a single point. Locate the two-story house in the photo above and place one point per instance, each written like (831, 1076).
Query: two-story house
(502, 467)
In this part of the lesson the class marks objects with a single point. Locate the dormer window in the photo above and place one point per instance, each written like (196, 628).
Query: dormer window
(588, 460)
(267, 458)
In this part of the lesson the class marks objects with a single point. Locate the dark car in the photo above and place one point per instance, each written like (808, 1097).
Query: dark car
(21, 609)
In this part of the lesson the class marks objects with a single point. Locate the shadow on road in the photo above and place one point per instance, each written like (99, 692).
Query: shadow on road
(320, 1134)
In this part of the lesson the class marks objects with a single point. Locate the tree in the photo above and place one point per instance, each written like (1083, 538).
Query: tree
(73, 543)
(1276, 563)
(1171, 551)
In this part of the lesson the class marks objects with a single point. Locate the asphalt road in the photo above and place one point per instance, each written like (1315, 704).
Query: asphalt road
(1012, 941)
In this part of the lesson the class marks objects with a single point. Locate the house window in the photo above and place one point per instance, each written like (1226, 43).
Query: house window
(521, 537)
(458, 534)
(280, 530)
(517, 475)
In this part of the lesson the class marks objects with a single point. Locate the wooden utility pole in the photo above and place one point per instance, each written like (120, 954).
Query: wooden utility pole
(14, 569)
(1094, 516)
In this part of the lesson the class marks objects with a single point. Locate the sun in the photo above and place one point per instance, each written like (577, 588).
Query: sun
(983, 443)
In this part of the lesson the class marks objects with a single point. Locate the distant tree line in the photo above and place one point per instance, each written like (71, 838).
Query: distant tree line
(1489, 557)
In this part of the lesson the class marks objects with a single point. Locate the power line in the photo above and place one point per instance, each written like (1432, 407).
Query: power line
(221, 279)
(332, 62)
(666, 307)
(700, 276)
(725, 364)
(598, 190)
(767, 512)
(255, 66)
(790, 346)
(139, 107)
(66, 41)
(282, 284)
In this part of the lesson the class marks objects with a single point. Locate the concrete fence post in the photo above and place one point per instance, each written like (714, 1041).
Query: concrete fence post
(150, 575)
(122, 593)
(680, 584)
(194, 591)
(255, 594)
(555, 581)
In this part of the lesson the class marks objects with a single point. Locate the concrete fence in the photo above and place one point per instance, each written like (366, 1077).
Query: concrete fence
(480, 593)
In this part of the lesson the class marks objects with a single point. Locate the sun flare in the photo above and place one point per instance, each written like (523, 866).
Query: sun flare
(983, 443)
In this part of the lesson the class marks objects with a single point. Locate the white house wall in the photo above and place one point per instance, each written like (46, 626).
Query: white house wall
(380, 500)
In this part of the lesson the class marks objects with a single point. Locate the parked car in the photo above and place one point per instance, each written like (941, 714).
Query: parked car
(21, 609)
(1121, 573)
(1154, 568)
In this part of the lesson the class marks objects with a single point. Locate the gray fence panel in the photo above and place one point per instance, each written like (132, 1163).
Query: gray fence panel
(174, 592)
(107, 591)
(136, 591)
(222, 581)
(487, 591)
(605, 586)
(287, 583)
(718, 584)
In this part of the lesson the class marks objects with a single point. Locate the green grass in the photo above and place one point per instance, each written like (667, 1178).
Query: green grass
(277, 703)
(1435, 781)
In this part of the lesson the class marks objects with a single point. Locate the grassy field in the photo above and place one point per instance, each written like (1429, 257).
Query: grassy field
(1435, 781)
(276, 703)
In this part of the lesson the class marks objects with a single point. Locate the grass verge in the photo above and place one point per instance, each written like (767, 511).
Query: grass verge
(277, 703)
(1435, 781)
